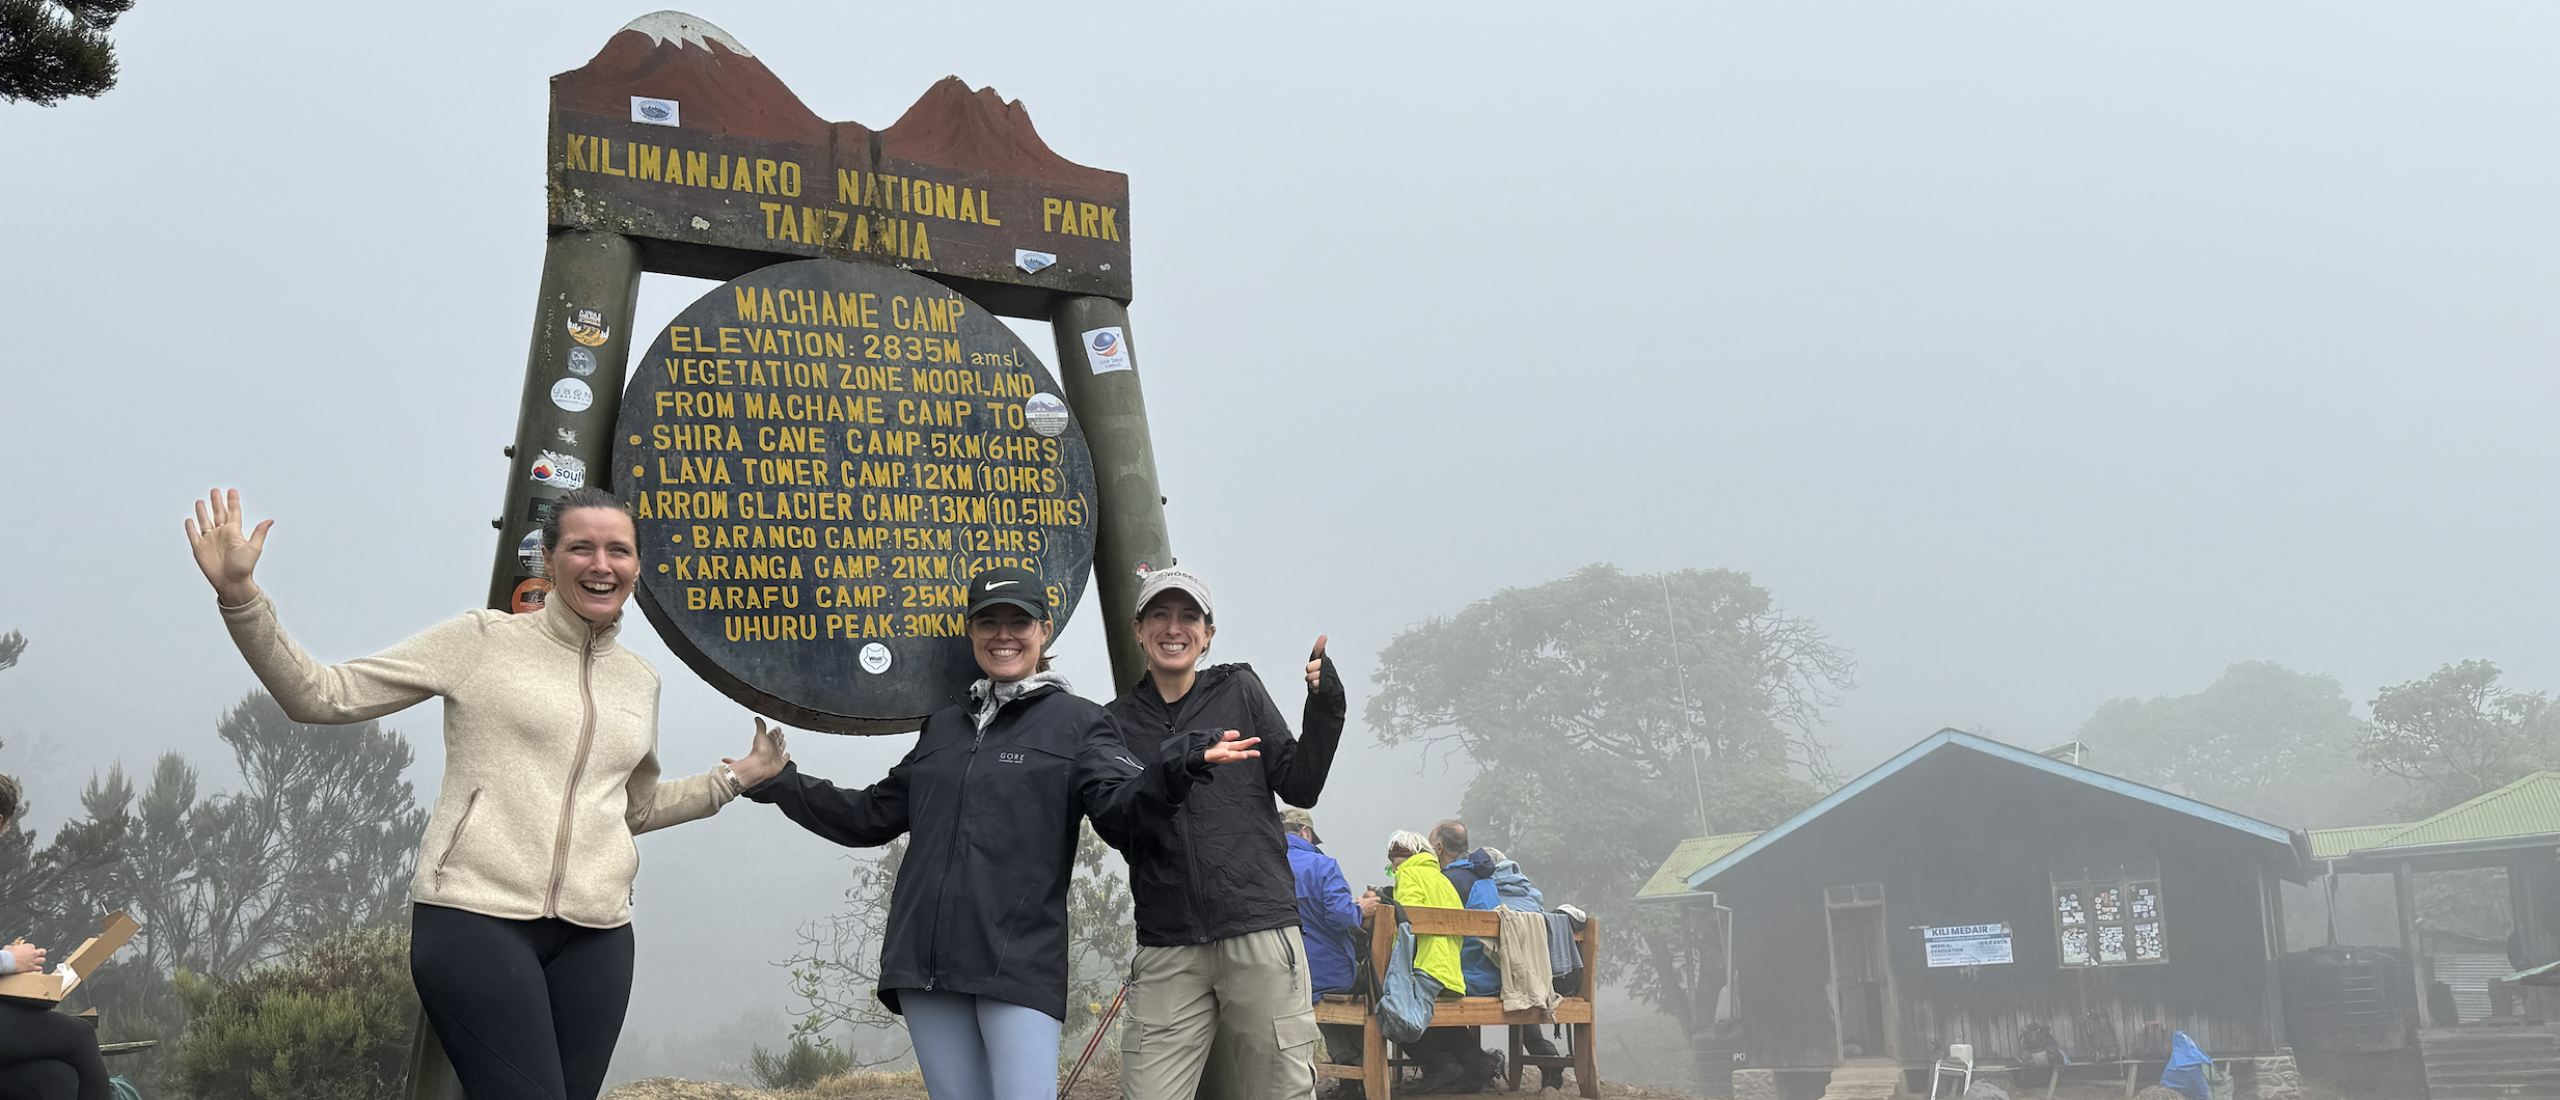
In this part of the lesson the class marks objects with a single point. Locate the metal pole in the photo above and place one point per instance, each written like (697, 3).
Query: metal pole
(572, 387)
(1113, 410)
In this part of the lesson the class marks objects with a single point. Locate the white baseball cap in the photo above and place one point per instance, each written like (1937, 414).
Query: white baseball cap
(1161, 581)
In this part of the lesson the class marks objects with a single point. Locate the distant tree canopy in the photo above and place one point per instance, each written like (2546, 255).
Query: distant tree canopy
(1610, 716)
(2262, 740)
(52, 50)
(2458, 734)
(318, 839)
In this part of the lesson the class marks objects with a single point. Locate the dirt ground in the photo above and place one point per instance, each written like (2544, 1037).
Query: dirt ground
(1100, 1082)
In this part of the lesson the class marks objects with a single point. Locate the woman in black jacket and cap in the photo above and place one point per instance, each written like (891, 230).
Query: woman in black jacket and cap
(975, 956)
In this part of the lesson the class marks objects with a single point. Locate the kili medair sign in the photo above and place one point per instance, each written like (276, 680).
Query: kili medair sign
(677, 136)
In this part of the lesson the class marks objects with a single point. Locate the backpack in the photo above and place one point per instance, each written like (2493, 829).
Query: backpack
(1404, 1010)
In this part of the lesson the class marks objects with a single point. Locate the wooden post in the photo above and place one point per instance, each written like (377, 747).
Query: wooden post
(1586, 1037)
(2404, 896)
(1131, 539)
(1381, 1073)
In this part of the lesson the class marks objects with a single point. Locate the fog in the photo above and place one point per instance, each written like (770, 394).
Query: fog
(2043, 355)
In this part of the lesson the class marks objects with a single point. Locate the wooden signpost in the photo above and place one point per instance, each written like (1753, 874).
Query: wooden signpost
(675, 150)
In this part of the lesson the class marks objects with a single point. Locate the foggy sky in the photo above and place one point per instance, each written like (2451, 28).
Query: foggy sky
(2043, 354)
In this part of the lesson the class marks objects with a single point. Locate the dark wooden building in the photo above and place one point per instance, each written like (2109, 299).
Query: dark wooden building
(1966, 889)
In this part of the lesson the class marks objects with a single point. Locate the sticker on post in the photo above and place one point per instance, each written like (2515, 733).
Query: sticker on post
(528, 595)
(587, 326)
(582, 362)
(875, 658)
(1032, 262)
(1107, 349)
(572, 395)
(559, 471)
(529, 552)
(1047, 414)
(655, 112)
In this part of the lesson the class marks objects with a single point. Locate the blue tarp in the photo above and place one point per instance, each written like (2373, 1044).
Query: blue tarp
(2186, 1069)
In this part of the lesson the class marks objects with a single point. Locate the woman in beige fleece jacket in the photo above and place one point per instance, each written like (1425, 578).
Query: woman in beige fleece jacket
(521, 918)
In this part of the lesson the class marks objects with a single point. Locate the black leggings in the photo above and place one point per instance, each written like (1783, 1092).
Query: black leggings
(49, 1055)
(526, 1009)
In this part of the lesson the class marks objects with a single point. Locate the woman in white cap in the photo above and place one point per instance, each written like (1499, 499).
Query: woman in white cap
(1220, 955)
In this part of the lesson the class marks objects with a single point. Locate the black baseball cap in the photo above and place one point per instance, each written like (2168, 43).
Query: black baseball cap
(1008, 584)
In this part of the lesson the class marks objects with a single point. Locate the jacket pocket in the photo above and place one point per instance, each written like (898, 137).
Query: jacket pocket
(459, 824)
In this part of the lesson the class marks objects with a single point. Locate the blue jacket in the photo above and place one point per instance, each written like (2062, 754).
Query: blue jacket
(1485, 884)
(1328, 918)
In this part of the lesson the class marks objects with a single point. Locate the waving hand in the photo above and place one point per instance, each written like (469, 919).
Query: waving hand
(225, 548)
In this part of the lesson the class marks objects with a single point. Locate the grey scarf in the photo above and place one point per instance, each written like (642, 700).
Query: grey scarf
(991, 696)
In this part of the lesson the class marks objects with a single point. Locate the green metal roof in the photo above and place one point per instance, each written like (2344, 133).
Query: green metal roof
(2333, 843)
(1671, 880)
(2527, 807)
(2524, 814)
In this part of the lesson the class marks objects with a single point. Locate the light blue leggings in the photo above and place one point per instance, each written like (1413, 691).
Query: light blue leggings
(980, 1048)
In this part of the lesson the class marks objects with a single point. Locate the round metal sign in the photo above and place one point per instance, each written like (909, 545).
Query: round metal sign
(818, 456)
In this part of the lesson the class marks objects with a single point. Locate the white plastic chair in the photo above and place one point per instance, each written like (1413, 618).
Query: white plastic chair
(1959, 1061)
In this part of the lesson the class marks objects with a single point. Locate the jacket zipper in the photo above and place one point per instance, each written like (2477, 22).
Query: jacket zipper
(959, 816)
(1186, 818)
(468, 805)
(577, 770)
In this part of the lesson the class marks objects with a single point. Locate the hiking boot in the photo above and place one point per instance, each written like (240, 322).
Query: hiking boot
(1535, 1041)
(1438, 1075)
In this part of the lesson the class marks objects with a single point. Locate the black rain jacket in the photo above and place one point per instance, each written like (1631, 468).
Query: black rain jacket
(1217, 865)
(980, 904)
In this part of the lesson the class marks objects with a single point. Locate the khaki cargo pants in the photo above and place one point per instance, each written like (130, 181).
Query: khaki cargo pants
(1249, 994)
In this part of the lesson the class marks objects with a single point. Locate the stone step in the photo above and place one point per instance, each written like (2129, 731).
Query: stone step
(2433, 1037)
(2493, 1092)
(2438, 1067)
(2470, 1075)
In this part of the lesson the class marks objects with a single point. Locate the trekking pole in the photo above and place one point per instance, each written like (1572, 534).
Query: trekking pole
(1099, 1031)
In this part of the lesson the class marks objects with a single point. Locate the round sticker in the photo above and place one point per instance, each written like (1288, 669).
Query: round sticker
(1047, 414)
(875, 658)
(581, 362)
(529, 594)
(530, 552)
(587, 326)
(572, 395)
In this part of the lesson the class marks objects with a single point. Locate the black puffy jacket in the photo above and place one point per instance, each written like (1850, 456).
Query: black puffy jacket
(1217, 865)
(980, 905)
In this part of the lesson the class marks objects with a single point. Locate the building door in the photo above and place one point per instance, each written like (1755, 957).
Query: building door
(1861, 972)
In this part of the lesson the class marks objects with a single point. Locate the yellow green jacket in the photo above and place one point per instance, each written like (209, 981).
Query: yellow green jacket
(1420, 883)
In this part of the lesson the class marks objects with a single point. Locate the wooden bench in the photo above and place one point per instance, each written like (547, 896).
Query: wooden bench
(1376, 1072)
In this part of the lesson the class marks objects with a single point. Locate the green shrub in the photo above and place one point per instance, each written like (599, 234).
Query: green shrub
(806, 1063)
(335, 1026)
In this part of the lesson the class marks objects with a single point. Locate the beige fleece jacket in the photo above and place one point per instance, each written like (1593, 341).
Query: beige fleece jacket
(551, 753)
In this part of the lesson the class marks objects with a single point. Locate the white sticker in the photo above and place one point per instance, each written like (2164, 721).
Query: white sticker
(1047, 414)
(655, 112)
(1028, 260)
(530, 550)
(875, 658)
(572, 395)
(581, 361)
(560, 471)
(1107, 349)
(566, 436)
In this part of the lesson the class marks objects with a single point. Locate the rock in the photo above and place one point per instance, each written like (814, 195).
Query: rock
(1753, 1084)
(2159, 1092)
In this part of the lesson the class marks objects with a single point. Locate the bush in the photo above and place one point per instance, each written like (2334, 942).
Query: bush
(806, 1063)
(335, 1026)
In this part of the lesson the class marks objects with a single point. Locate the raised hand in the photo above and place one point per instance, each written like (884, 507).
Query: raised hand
(765, 757)
(1231, 747)
(1315, 663)
(225, 549)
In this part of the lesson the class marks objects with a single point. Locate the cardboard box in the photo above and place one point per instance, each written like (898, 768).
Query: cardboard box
(48, 989)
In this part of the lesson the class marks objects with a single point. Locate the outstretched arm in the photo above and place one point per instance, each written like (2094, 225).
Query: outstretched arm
(652, 803)
(866, 818)
(404, 675)
(1117, 792)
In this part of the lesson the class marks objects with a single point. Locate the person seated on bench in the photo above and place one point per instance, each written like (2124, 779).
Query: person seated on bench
(44, 1054)
(1329, 921)
(1487, 881)
(1443, 1051)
